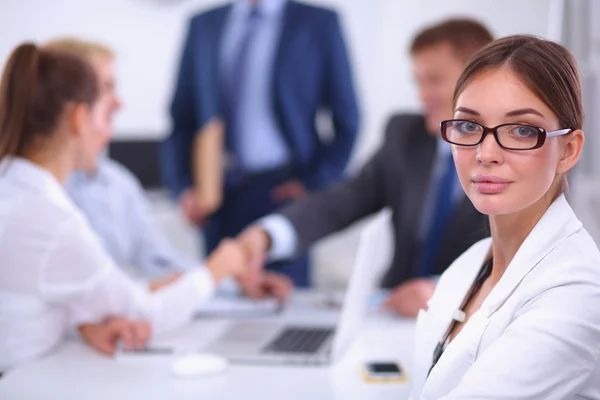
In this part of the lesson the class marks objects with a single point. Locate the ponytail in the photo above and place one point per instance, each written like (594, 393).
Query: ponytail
(37, 85)
(17, 90)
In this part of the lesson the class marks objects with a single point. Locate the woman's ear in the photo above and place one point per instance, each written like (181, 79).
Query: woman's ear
(77, 118)
(571, 151)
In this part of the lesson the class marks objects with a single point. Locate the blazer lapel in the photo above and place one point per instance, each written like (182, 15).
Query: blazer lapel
(556, 224)
(434, 323)
(290, 23)
(462, 281)
(214, 40)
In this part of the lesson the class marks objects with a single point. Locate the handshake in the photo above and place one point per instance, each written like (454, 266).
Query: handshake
(244, 258)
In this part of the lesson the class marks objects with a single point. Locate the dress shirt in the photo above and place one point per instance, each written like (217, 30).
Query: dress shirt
(261, 143)
(116, 207)
(55, 275)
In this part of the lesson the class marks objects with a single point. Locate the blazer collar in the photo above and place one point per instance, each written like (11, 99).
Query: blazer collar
(558, 223)
(291, 20)
(470, 264)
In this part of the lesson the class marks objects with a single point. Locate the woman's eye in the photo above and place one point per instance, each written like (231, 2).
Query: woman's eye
(524, 131)
(467, 126)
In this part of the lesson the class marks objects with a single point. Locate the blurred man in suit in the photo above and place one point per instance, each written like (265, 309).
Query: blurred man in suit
(412, 173)
(265, 68)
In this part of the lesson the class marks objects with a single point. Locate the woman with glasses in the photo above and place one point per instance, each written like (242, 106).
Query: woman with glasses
(517, 316)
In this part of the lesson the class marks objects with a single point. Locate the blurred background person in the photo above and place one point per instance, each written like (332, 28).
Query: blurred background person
(412, 173)
(55, 274)
(115, 203)
(265, 69)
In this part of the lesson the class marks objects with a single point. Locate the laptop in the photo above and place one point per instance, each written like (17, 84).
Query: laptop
(304, 343)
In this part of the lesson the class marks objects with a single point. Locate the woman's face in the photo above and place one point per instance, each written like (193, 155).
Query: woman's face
(99, 129)
(496, 180)
(95, 131)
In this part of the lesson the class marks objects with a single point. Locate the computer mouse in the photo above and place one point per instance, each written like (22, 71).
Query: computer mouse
(194, 365)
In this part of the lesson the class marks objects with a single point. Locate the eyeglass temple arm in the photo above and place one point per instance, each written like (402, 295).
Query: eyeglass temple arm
(558, 133)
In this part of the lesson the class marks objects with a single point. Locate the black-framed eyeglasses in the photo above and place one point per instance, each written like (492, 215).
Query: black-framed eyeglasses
(509, 136)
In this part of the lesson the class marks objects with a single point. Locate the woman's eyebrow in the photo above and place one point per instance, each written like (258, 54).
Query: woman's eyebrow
(467, 111)
(524, 111)
(515, 113)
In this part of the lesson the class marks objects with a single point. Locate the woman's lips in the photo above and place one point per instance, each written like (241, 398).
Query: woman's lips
(490, 184)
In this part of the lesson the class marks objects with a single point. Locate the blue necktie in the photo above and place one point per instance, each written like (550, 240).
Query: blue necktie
(234, 91)
(442, 212)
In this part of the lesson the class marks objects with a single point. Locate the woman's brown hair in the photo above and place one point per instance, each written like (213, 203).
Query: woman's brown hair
(548, 69)
(36, 87)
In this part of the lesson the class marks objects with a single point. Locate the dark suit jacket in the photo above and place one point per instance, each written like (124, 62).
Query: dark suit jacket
(397, 177)
(311, 72)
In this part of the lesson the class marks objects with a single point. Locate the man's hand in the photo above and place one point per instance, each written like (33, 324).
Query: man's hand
(256, 243)
(190, 207)
(410, 297)
(290, 190)
(105, 336)
(268, 284)
(228, 259)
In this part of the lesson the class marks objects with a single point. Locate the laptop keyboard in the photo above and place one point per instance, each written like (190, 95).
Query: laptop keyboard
(298, 340)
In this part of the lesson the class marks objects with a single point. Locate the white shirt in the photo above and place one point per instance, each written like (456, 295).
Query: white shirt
(115, 205)
(536, 335)
(55, 275)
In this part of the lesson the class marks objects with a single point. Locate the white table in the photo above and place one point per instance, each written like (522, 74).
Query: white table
(76, 372)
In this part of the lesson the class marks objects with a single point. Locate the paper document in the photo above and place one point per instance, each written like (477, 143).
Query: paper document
(233, 306)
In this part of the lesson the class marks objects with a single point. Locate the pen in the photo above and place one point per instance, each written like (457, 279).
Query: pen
(149, 350)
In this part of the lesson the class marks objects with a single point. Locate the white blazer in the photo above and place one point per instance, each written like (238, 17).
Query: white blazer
(536, 336)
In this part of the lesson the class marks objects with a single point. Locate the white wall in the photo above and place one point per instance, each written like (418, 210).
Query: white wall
(147, 36)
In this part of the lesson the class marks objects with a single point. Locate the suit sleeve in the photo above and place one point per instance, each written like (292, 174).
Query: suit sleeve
(176, 149)
(340, 99)
(344, 203)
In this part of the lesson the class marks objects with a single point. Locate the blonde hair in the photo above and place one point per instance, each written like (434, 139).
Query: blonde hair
(88, 50)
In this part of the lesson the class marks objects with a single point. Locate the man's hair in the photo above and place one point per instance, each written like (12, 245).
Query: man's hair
(88, 50)
(466, 36)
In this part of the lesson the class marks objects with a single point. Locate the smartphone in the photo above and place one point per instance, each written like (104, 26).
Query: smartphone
(383, 371)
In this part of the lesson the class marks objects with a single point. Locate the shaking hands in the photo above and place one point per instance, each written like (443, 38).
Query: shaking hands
(244, 258)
